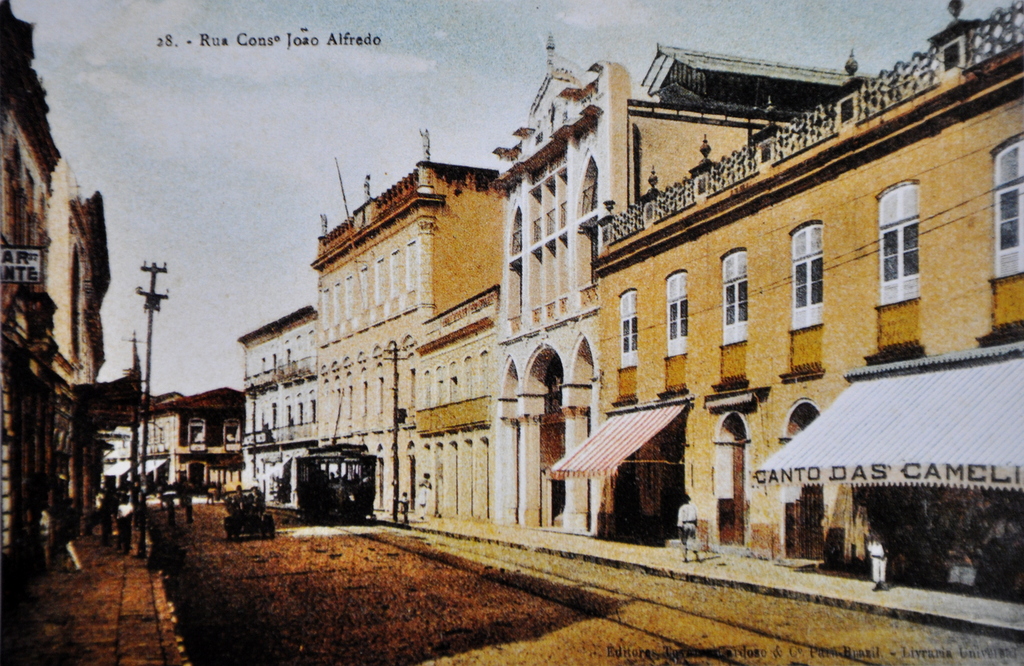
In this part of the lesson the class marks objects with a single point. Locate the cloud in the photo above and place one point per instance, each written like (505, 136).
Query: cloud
(590, 15)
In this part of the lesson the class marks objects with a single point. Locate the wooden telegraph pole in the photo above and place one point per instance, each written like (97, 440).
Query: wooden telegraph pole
(392, 350)
(151, 305)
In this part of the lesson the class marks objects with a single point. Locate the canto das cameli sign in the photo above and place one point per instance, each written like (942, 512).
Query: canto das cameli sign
(22, 265)
(986, 476)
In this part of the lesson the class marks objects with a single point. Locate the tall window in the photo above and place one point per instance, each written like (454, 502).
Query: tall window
(807, 276)
(378, 281)
(412, 265)
(517, 232)
(627, 314)
(677, 314)
(734, 297)
(1009, 184)
(393, 290)
(588, 193)
(196, 431)
(349, 288)
(231, 428)
(898, 223)
(364, 288)
(336, 299)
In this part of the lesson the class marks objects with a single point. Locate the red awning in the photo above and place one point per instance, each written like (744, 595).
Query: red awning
(618, 438)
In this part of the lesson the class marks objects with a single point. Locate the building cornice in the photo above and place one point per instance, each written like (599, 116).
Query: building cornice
(994, 83)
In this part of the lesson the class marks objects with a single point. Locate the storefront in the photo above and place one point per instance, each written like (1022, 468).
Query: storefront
(929, 455)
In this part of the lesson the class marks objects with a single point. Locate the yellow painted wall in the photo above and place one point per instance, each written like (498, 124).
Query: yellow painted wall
(955, 172)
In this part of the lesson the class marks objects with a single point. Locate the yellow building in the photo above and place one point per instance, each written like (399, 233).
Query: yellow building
(872, 237)
(456, 411)
(587, 144)
(384, 273)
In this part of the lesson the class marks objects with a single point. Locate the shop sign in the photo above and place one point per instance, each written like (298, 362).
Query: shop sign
(22, 265)
(992, 476)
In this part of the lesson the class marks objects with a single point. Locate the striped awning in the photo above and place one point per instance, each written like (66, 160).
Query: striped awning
(958, 427)
(618, 438)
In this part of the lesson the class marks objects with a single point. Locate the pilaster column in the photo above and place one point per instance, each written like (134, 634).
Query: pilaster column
(574, 518)
(529, 471)
(425, 288)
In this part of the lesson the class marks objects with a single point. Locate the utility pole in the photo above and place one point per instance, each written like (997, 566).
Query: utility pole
(393, 351)
(151, 305)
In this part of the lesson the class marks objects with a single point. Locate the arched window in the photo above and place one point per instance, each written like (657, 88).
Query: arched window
(801, 417)
(677, 313)
(898, 225)
(734, 297)
(627, 314)
(517, 232)
(588, 191)
(453, 382)
(1009, 183)
(427, 390)
(808, 283)
(468, 378)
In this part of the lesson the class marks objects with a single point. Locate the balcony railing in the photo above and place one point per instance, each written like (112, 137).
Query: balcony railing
(282, 434)
(283, 372)
(1002, 31)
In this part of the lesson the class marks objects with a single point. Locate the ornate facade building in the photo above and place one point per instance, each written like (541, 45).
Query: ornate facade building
(816, 312)
(55, 275)
(588, 143)
(280, 402)
(401, 258)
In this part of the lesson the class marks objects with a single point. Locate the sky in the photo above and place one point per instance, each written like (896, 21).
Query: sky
(219, 160)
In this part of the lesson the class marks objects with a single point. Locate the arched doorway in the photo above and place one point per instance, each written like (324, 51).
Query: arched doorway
(552, 443)
(805, 506)
(730, 479)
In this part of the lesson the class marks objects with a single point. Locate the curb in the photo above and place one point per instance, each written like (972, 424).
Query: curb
(919, 617)
(172, 644)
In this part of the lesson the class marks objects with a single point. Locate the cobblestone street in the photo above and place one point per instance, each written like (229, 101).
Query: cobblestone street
(375, 595)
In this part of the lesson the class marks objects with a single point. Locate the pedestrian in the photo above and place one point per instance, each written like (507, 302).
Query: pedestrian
(403, 507)
(423, 494)
(107, 511)
(879, 560)
(687, 524)
(45, 542)
(168, 500)
(124, 524)
(185, 498)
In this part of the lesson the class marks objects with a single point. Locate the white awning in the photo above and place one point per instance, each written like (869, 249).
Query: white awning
(618, 438)
(117, 469)
(958, 427)
(154, 464)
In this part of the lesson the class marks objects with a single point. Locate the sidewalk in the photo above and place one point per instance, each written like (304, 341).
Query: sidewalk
(113, 613)
(948, 610)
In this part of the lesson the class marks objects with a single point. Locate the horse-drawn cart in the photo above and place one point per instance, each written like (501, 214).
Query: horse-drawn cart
(247, 515)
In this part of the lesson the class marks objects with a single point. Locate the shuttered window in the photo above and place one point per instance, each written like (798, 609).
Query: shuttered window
(734, 298)
(677, 313)
(808, 283)
(1008, 206)
(627, 314)
(898, 226)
